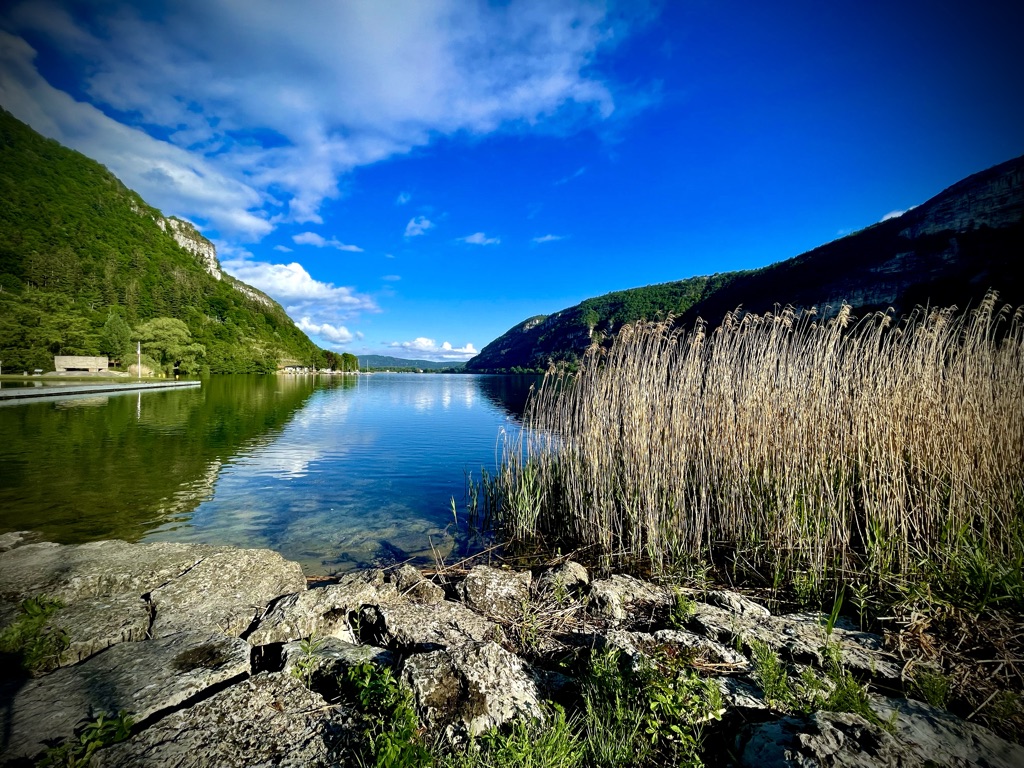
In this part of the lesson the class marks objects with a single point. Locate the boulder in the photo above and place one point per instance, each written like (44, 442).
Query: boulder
(799, 637)
(226, 591)
(737, 604)
(616, 597)
(823, 739)
(412, 627)
(266, 720)
(332, 657)
(141, 678)
(569, 579)
(413, 585)
(711, 651)
(495, 592)
(323, 611)
(943, 739)
(469, 689)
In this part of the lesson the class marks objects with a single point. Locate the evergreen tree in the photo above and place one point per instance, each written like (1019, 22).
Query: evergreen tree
(116, 338)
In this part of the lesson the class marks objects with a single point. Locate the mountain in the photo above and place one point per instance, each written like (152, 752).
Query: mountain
(949, 250)
(79, 249)
(394, 363)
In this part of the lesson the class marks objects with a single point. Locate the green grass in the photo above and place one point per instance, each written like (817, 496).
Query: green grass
(32, 639)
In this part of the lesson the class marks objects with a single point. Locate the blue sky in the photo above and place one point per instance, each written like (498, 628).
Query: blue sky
(414, 178)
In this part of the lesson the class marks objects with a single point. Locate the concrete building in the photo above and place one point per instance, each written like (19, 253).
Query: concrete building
(65, 363)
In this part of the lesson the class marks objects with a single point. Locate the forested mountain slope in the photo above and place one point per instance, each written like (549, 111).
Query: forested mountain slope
(87, 267)
(949, 250)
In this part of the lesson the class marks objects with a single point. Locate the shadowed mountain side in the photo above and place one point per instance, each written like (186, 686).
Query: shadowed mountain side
(949, 250)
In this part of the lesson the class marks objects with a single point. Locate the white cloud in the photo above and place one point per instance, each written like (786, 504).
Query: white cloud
(392, 278)
(403, 198)
(334, 334)
(282, 248)
(418, 226)
(479, 238)
(548, 238)
(318, 241)
(896, 214)
(428, 349)
(338, 86)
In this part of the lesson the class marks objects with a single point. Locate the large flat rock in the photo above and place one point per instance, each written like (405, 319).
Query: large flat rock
(418, 628)
(266, 720)
(96, 623)
(225, 591)
(141, 678)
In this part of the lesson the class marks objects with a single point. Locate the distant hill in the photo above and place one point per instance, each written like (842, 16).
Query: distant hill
(77, 246)
(394, 363)
(949, 250)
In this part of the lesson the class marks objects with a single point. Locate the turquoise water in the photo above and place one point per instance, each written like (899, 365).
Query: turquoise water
(334, 472)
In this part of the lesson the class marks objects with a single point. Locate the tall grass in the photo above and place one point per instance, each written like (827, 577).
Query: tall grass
(883, 446)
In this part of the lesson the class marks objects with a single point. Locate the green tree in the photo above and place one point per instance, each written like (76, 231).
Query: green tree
(116, 338)
(349, 362)
(168, 342)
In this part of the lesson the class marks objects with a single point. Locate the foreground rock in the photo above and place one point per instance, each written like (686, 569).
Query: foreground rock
(269, 719)
(140, 678)
(223, 657)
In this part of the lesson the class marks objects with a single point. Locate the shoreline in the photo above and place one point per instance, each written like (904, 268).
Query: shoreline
(49, 389)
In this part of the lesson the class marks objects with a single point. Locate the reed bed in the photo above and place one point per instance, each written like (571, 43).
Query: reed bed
(802, 448)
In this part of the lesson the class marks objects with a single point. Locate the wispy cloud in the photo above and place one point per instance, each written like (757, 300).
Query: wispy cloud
(282, 248)
(418, 226)
(392, 278)
(312, 238)
(566, 179)
(479, 238)
(203, 134)
(547, 238)
(428, 349)
(403, 198)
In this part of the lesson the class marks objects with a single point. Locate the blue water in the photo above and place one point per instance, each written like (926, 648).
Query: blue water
(335, 473)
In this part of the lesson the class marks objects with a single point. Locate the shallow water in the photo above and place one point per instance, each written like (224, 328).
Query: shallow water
(334, 472)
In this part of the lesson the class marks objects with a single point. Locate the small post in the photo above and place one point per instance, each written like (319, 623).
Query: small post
(138, 351)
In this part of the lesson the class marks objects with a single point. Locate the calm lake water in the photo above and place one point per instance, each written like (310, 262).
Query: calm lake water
(333, 472)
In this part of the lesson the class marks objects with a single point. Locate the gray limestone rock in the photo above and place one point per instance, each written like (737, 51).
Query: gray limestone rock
(142, 678)
(14, 539)
(266, 720)
(413, 585)
(418, 628)
(943, 739)
(737, 604)
(333, 656)
(495, 592)
(323, 611)
(800, 637)
(740, 695)
(95, 623)
(465, 691)
(224, 591)
(616, 597)
(569, 578)
(823, 739)
(712, 651)
(97, 569)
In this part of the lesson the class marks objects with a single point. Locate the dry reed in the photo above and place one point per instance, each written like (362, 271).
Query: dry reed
(799, 446)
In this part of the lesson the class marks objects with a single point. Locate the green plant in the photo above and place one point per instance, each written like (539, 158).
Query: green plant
(771, 675)
(681, 610)
(931, 685)
(33, 638)
(552, 743)
(386, 709)
(101, 732)
(306, 664)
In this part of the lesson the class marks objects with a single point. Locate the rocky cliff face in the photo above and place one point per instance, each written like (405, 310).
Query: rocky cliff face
(949, 250)
(187, 236)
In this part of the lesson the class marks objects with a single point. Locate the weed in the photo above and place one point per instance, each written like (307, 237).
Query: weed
(386, 709)
(931, 685)
(101, 732)
(306, 664)
(681, 610)
(552, 743)
(31, 636)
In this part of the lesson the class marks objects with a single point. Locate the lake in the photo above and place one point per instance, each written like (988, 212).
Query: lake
(334, 472)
